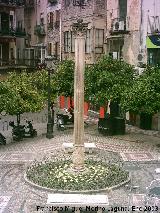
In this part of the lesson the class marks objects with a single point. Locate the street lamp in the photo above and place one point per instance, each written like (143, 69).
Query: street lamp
(49, 60)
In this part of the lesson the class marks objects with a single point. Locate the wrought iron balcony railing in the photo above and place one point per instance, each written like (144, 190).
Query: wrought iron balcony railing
(12, 3)
(19, 63)
(39, 30)
(13, 32)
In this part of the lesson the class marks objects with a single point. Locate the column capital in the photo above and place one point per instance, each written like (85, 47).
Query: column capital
(79, 28)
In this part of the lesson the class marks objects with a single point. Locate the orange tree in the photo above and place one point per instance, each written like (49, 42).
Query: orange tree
(64, 78)
(19, 95)
(143, 96)
(107, 80)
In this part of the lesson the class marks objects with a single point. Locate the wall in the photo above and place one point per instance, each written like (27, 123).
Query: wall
(132, 39)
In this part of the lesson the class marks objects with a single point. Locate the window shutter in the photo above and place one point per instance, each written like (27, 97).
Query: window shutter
(57, 15)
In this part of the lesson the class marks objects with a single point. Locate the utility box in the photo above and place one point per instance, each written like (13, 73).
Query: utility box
(119, 126)
(111, 126)
(105, 126)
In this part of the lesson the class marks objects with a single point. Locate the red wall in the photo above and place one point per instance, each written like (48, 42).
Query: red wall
(66, 103)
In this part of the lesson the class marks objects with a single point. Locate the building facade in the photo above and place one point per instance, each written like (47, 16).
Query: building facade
(123, 30)
(133, 31)
(12, 31)
(151, 30)
(43, 27)
(93, 13)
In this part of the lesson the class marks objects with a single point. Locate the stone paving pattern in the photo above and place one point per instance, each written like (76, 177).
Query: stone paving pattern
(138, 153)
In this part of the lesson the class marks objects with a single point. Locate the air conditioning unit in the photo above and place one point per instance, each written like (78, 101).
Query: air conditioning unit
(121, 25)
(118, 25)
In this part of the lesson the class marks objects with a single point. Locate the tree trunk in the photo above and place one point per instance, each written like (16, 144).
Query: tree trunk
(18, 119)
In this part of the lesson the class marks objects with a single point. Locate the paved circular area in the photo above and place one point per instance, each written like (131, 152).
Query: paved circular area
(137, 153)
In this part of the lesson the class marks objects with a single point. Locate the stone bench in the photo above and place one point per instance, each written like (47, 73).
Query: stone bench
(77, 202)
(89, 147)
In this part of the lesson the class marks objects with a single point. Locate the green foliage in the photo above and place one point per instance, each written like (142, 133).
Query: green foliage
(40, 80)
(8, 97)
(56, 175)
(19, 95)
(64, 78)
(144, 95)
(107, 80)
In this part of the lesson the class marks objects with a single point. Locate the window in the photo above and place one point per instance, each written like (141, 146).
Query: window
(99, 37)
(122, 9)
(72, 43)
(41, 19)
(19, 24)
(88, 42)
(56, 49)
(0, 23)
(57, 13)
(12, 53)
(11, 21)
(67, 3)
(18, 54)
(99, 40)
(50, 17)
(50, 48)
(67, 41)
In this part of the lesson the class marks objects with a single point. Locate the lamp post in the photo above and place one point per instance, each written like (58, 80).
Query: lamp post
(49, 66)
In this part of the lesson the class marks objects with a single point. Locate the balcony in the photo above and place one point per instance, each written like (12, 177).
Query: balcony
(12, 3)
(119, 26)
(53, 2)
(39, 30)
(18, 63)
(12, 32)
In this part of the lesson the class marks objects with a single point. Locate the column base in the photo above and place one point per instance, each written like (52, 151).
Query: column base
(78, 158)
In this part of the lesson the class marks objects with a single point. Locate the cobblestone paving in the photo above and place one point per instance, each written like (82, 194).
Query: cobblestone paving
(14, 157)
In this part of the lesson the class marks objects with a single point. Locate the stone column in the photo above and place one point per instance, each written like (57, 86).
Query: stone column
(79, 30)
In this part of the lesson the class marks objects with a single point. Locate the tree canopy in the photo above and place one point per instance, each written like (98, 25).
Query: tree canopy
(40, 80)
(107, 80)
(144, 95)
(19, 95)
(64, 78)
